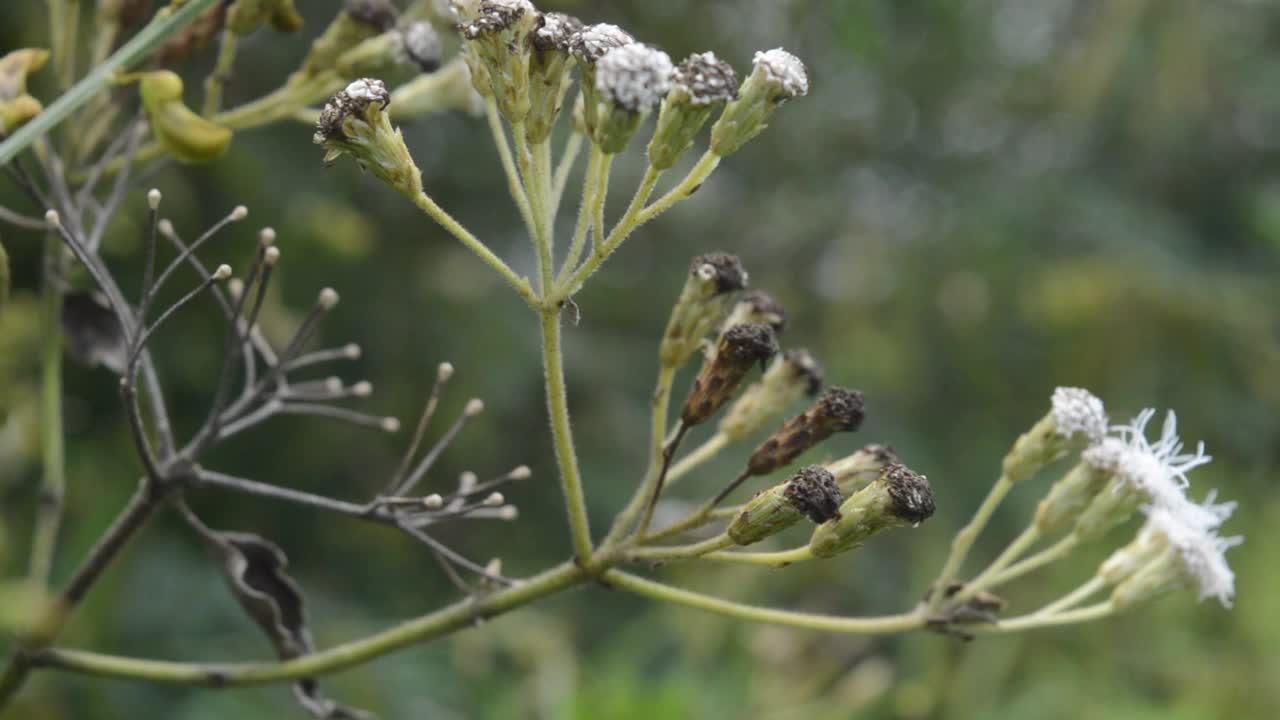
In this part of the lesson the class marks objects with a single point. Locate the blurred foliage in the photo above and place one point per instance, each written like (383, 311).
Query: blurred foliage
(978, 201)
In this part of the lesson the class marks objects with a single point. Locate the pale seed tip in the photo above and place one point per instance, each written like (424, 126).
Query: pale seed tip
(267, 235)
(328, 298)
(165, 227)
(474, 407)
(509, 512)
(52, 218)
(364, 388)
(351, 351)
(521, 473)
(222, 273)
(271, 256)
(390, 424)
(240, 212)
(494, 500)
(235, 287)
(444, 371)
(433, 501)
(153, 198)
(333, 384)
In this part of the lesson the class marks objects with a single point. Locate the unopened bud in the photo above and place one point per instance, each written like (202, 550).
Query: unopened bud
(810, 493)
(776, 77)
(698, 85)
(898, 498)
(549, 76)
(1070, 496)
(630, 83)
(758, 306)
(837, 410)
(737, 351)
(790, 377)
(1075, 419)
(17, 107)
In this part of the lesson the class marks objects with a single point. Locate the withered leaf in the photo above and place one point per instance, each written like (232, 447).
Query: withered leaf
(92, 332)
(256, 572)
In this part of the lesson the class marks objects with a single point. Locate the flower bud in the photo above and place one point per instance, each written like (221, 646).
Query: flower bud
(698, 85)
(499, 40)
(182, 132)
(757, 306)
(777, 76)
(711, 278)
(549, 76)
(245, 16)
(415, 48)
(359, 21)
(1075, 419)
(1070, 496)
(838, 410)
(810, 493)
(354, 122)
(16, 106)
(737, 351)
(898, 498)
(791, 376)
(446, 89)
(862, 467)
(630, 83)
(588, 45)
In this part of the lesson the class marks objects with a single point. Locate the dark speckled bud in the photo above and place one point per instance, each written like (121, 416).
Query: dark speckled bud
(898, 498)
(837, 410)
(549, 75)
(712, 278)
(699, 85)
(742, 347)
(811, 493)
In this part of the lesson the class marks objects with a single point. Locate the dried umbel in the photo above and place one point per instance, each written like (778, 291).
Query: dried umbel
(792, 376)
(630, 82)
(712, 278)
(900, 497)
(837, 410)
(738, 350)
(549, 73)
(354, 122)
(499, 40)
(777, 76)
(811, 493)
(699, 85)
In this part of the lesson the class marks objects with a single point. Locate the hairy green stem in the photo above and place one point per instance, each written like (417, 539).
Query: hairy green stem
(472, 243)
(1053, 553)
(1036, 620)
(963, 541)
(1073, 598)
(572, 147)
(562, 434)
(514, 185)
(780, 558)
(1015, 550)
(166, 23)
(217, 80)
(579, 241)
(680, 552)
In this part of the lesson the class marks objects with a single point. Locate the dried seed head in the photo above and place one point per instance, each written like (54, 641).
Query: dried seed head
(422, 46)
(912, 497)
(354, 122)
(737, 351)
(722, 271)
(705, 80)
(748, 344)
(347, 104)
(786, 381)
(813, 491)
(634, 77)
(840, 409)
(591, 42)
(837, 410)
(785, 70)
(380, 14)
(556, 33)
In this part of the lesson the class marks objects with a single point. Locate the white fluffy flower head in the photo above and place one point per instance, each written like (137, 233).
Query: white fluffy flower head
(785, 69)
(1076, 410)
(1199, 550)
(591, 42)
(634, 76)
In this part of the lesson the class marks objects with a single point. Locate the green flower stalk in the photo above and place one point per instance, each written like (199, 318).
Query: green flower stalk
(354, 122)
(777, 76)
(793, 375)
(1174, 552)
(738, 350)
(898, 498)
(549, 73)
(588, 45)
(862, 467)
(415, 47)
(499, 39)
(812, 492)
(700, 84)
(358, 21)
(712, 278)
(630, 83)
(1076, 419)
(837, 410)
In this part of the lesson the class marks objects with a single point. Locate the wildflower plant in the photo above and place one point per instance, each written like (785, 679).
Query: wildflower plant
(518, 67)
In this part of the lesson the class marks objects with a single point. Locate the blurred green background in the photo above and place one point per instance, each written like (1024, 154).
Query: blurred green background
(978, 201)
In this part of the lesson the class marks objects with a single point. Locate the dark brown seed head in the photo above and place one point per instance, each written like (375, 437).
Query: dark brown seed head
(910, 492)
(840, 409)
(725, 270)
(748, 344)
(813, 491)
(738, 349)
(803, 364)
(706, 79)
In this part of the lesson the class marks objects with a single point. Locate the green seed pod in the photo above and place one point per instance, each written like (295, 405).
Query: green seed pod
(838, 410)
(712, 278)
(1070, 496)
(777, 76)
(699, 84)
(182, 132)
(862, 467)
(738, 350)
(898, 498)
(789, 378)
(549, 73)
(810, 493)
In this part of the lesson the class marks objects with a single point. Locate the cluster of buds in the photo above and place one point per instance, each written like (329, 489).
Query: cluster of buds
(355, 122)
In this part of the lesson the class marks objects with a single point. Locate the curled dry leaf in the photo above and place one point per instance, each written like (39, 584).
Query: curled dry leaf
(92, 331)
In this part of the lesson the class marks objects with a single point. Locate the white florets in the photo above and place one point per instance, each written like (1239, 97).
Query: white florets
(785, 69)
(1200, 550)
(706, 79)
(1076, 410)
(422, 45)
(591, 42)
(635, 76)
(367, 90)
